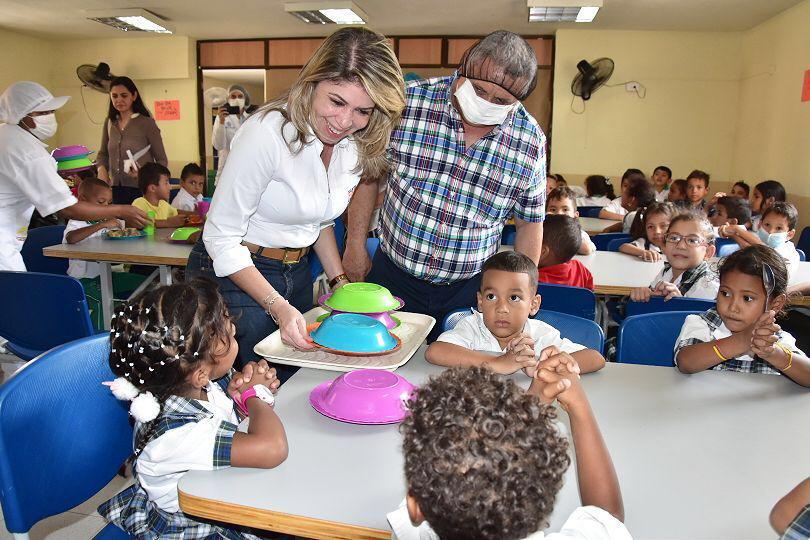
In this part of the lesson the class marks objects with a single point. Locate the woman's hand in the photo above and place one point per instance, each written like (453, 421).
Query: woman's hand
(222, 114)
(134, 217)
(292, 325)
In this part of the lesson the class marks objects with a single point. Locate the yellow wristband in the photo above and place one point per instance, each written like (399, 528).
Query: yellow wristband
(717, 352)
(787, 352)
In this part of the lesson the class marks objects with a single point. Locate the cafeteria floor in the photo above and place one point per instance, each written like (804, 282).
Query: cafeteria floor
(80, 522)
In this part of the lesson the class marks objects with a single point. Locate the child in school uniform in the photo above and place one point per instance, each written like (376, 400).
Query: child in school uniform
(765, 195)
(562, 200)
(172, 351)
(697, 187)
(153, 180)
(562, 236)
(648, 231)
(485, 460)
(502, 324)
(640, 193)
(661, 177)
(599, 191)
(617, 208)
(730, 210)
(192, 182)
(740, 189)
(741, 334)
(677, 193)
(790, 516)
(689, 244)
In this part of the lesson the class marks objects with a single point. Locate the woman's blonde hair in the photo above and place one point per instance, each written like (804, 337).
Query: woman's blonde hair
(355, 55)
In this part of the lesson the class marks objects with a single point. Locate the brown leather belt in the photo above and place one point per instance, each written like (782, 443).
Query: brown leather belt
(285, 255)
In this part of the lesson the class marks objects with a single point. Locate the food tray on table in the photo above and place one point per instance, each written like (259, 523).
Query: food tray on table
(412, 332)
(129, 233)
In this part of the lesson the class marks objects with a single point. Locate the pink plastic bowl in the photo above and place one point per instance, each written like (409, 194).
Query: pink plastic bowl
(365, 396)
(203, 207)
(384, 317)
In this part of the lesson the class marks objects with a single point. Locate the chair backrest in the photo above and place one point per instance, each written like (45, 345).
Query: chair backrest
(657, 305)
(63, 435)
(31, 252)
(804, 240)
(586, 333)
(589, 211)
(508, 235)
(371, 246)
(577, 329)
(727, 249)
(602, 240)
(719, 242)
(802, 256)
(566, 299)
(42, 310)
(650, 338)
(614, 244)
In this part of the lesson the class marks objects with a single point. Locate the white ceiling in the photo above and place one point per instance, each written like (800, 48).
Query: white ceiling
(216, 19)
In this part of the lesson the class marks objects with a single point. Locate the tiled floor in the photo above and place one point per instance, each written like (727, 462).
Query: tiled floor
(78, 523)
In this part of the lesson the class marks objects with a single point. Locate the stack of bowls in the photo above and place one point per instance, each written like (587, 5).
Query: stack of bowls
(365, 396)
(368, 299)
(72, 159)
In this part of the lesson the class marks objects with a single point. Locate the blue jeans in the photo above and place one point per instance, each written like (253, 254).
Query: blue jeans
(422, 296)
(292, 281)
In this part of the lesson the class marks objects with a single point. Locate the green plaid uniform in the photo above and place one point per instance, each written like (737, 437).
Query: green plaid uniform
(799, 529)
(446, 204)
(132, 511)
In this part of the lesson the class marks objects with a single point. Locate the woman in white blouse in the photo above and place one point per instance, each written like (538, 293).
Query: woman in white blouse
(291, 171)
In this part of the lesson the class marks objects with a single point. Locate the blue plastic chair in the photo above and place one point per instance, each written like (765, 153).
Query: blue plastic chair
(804, 240)
(566, 299)
(649, 339)
(31, 252)
(582, 331)
(63, 435)
(371, 246)
(657, 305)
(589, 211)
(508, 235)
(602, 240)
(315, 263)
(802, 256)
(48, 310)
(727, 249)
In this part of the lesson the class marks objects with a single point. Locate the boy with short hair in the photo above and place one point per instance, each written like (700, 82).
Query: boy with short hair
(502, 325)
(501, 460)
(562, 237)
(731, 210)
(697, 187)
(563, 200)
(153, 179)
(777, 229)
(661, 177)
(192, 182)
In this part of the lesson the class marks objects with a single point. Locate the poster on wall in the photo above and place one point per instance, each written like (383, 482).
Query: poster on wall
(167, 109)
(806, 87)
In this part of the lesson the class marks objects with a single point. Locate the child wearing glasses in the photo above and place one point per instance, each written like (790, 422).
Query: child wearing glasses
(689, 244)
(741, 334)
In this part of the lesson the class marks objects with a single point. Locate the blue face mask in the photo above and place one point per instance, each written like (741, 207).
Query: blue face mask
(773, 240)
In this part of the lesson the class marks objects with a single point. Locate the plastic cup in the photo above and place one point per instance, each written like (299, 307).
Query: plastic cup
(150, 227)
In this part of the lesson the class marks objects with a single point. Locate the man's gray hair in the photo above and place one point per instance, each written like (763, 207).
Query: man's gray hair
(503, 58)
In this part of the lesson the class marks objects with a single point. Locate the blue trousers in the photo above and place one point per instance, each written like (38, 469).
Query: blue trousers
(422, 296)
(292, 281)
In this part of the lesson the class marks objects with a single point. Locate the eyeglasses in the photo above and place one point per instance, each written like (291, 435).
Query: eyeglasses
(691, 240)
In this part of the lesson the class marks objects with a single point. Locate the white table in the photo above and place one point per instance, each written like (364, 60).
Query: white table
(702, 456)
(595, 225)
(152, 251)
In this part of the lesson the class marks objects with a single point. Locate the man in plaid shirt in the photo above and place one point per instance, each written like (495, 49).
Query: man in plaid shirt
(465, 157)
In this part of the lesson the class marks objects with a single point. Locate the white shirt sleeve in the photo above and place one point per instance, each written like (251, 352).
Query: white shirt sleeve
(219, 139)
(586, 239)
(705, 288)
(616, 207)
(43, 187)
(464, 334)
(403, 529)
(247, 173)
(694, 330)
(590, 523)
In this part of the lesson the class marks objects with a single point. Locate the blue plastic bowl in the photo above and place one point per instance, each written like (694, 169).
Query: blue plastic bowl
(352, 332)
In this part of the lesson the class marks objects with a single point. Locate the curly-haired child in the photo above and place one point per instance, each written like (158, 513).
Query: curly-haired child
(485, 460)
(173, 351)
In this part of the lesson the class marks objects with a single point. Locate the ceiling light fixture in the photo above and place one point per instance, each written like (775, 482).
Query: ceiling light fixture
(133, 20)
(563, 10)
(327, 12)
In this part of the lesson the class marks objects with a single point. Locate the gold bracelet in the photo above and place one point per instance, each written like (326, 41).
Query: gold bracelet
(717, 352)
(787, 352)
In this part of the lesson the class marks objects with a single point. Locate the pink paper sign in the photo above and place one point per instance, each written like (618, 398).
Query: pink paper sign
(806, 87)
(167, 109)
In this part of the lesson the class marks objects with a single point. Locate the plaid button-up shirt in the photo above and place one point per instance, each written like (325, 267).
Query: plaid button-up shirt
(446, 204)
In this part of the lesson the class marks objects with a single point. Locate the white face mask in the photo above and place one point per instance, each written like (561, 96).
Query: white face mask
(239, 102)
(45, 127)
(773, 240)
(478, 110)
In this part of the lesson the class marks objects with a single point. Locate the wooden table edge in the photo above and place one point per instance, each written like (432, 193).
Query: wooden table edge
(274, 521)
(114, 257)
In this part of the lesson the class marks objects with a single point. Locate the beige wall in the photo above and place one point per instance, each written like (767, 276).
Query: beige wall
(24, 58)
(686, 120)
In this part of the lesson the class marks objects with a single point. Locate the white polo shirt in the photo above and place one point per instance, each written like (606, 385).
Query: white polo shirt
(186, 201)
(28, 180)
(272, 197)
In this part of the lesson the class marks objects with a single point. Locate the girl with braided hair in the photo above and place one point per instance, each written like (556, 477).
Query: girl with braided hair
(172, 351)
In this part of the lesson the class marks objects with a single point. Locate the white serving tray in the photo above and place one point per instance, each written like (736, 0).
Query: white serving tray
(412, 331)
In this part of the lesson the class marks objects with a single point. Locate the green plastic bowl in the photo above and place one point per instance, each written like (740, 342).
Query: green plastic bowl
(76, 163)
(181, 234)
(362, 298)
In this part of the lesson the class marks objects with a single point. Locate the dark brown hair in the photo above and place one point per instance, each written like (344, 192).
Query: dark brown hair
(562, 193)
(697, 173)
(639, 227)
(512, 261)
(751, 260)
(786, 210)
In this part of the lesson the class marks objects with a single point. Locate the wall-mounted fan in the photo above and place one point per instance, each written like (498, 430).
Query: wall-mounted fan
(96, 77)
(591, 76)
(215, 97)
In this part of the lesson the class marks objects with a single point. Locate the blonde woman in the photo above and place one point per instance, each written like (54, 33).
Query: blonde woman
(292, 169)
